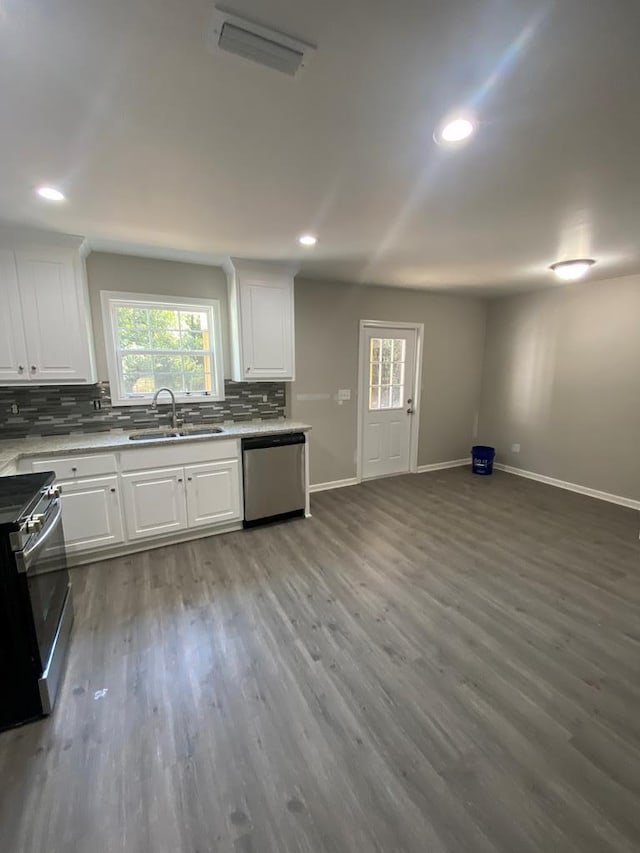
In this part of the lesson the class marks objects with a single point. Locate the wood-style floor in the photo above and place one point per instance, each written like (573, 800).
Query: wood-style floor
(431, 663)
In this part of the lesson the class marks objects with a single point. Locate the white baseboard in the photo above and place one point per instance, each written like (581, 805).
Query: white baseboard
(81, 558)
(571, 487)
(440, 466)
(353, 481)
(333, 484)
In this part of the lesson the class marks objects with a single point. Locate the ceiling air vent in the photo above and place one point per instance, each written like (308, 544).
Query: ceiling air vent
(258, 43)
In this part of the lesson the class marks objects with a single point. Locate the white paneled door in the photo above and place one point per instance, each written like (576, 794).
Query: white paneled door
(388, 405)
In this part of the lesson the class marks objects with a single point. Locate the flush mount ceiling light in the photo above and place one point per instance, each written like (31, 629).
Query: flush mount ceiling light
(307, 240)
(572, 270)
(455, 129)
(50, 193)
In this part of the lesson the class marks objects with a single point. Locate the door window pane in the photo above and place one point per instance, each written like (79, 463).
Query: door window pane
(387, 373)
(399, 348)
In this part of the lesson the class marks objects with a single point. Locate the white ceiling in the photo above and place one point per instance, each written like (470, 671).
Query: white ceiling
(166, 147)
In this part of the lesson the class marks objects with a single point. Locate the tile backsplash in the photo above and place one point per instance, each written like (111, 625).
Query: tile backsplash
(63, 409)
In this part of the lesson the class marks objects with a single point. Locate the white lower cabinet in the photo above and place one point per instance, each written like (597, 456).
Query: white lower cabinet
(91, 514)
(111, 499)
(165, 500)
(154, 502)
(213, 492)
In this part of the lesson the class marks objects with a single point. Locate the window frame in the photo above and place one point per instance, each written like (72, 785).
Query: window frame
(110, 298)
(391, 384)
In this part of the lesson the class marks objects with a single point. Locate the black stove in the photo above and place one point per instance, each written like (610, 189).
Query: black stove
(19, 497)
(36, 610)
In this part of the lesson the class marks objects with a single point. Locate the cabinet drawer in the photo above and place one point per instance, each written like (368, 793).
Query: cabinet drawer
(73, 467)
(183, 453)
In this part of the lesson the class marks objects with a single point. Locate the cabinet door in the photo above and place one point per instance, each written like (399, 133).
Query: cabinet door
(91, 514)
(55, 321)
(266, 306)
(213, 493)
(13, 353)
(154, 502)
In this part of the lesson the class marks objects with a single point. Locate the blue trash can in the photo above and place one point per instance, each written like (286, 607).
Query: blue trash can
(482, 459)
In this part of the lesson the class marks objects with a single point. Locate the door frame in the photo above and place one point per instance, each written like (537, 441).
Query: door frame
(417, 384)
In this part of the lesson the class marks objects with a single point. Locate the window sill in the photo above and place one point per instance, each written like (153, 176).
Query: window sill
(164, 399)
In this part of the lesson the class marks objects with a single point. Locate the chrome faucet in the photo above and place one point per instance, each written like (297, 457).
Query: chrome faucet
(175, 423)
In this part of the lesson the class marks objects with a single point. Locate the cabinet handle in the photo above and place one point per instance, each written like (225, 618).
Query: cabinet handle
(189, 479)
(33, 368)
(21, 368)
(74, 470)
(179, 479)
(113, 491)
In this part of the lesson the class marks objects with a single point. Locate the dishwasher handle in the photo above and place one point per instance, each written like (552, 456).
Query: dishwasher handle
(262, 442)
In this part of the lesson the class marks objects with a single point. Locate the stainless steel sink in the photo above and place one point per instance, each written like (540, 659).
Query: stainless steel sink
(185, 433)
(149, 435)
(156, 433)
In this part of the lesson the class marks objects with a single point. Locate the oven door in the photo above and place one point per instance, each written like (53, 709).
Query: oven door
(44, 561)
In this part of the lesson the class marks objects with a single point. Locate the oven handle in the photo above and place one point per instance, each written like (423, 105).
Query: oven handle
(24, 558)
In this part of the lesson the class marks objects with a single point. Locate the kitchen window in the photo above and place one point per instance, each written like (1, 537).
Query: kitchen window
(157, 342)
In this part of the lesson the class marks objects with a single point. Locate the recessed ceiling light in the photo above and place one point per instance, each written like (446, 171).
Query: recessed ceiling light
(572, 270)
(50, 193)
(455, 130)
(307, 240)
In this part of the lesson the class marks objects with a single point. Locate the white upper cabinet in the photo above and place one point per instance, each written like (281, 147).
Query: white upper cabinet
(13, 351)
(49, 339)
(262, 321)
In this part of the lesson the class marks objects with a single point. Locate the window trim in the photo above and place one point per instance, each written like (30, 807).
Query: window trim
(109, 297)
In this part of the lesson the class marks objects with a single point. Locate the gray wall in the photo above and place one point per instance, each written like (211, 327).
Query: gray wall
(327, 327)
(146, 275)
(562, 378)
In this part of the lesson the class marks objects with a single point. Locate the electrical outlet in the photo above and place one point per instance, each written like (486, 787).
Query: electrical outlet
(515, 448)
(15, 409)
(265, 399)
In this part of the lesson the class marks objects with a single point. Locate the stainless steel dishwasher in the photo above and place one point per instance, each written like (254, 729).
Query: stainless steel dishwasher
(273, 470)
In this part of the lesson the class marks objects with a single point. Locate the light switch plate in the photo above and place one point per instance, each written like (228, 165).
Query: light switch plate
(344, 394)
(515, 448)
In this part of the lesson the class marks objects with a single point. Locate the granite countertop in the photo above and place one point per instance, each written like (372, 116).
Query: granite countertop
(15, 449)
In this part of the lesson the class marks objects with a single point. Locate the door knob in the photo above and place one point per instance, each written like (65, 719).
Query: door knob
(410, 411)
